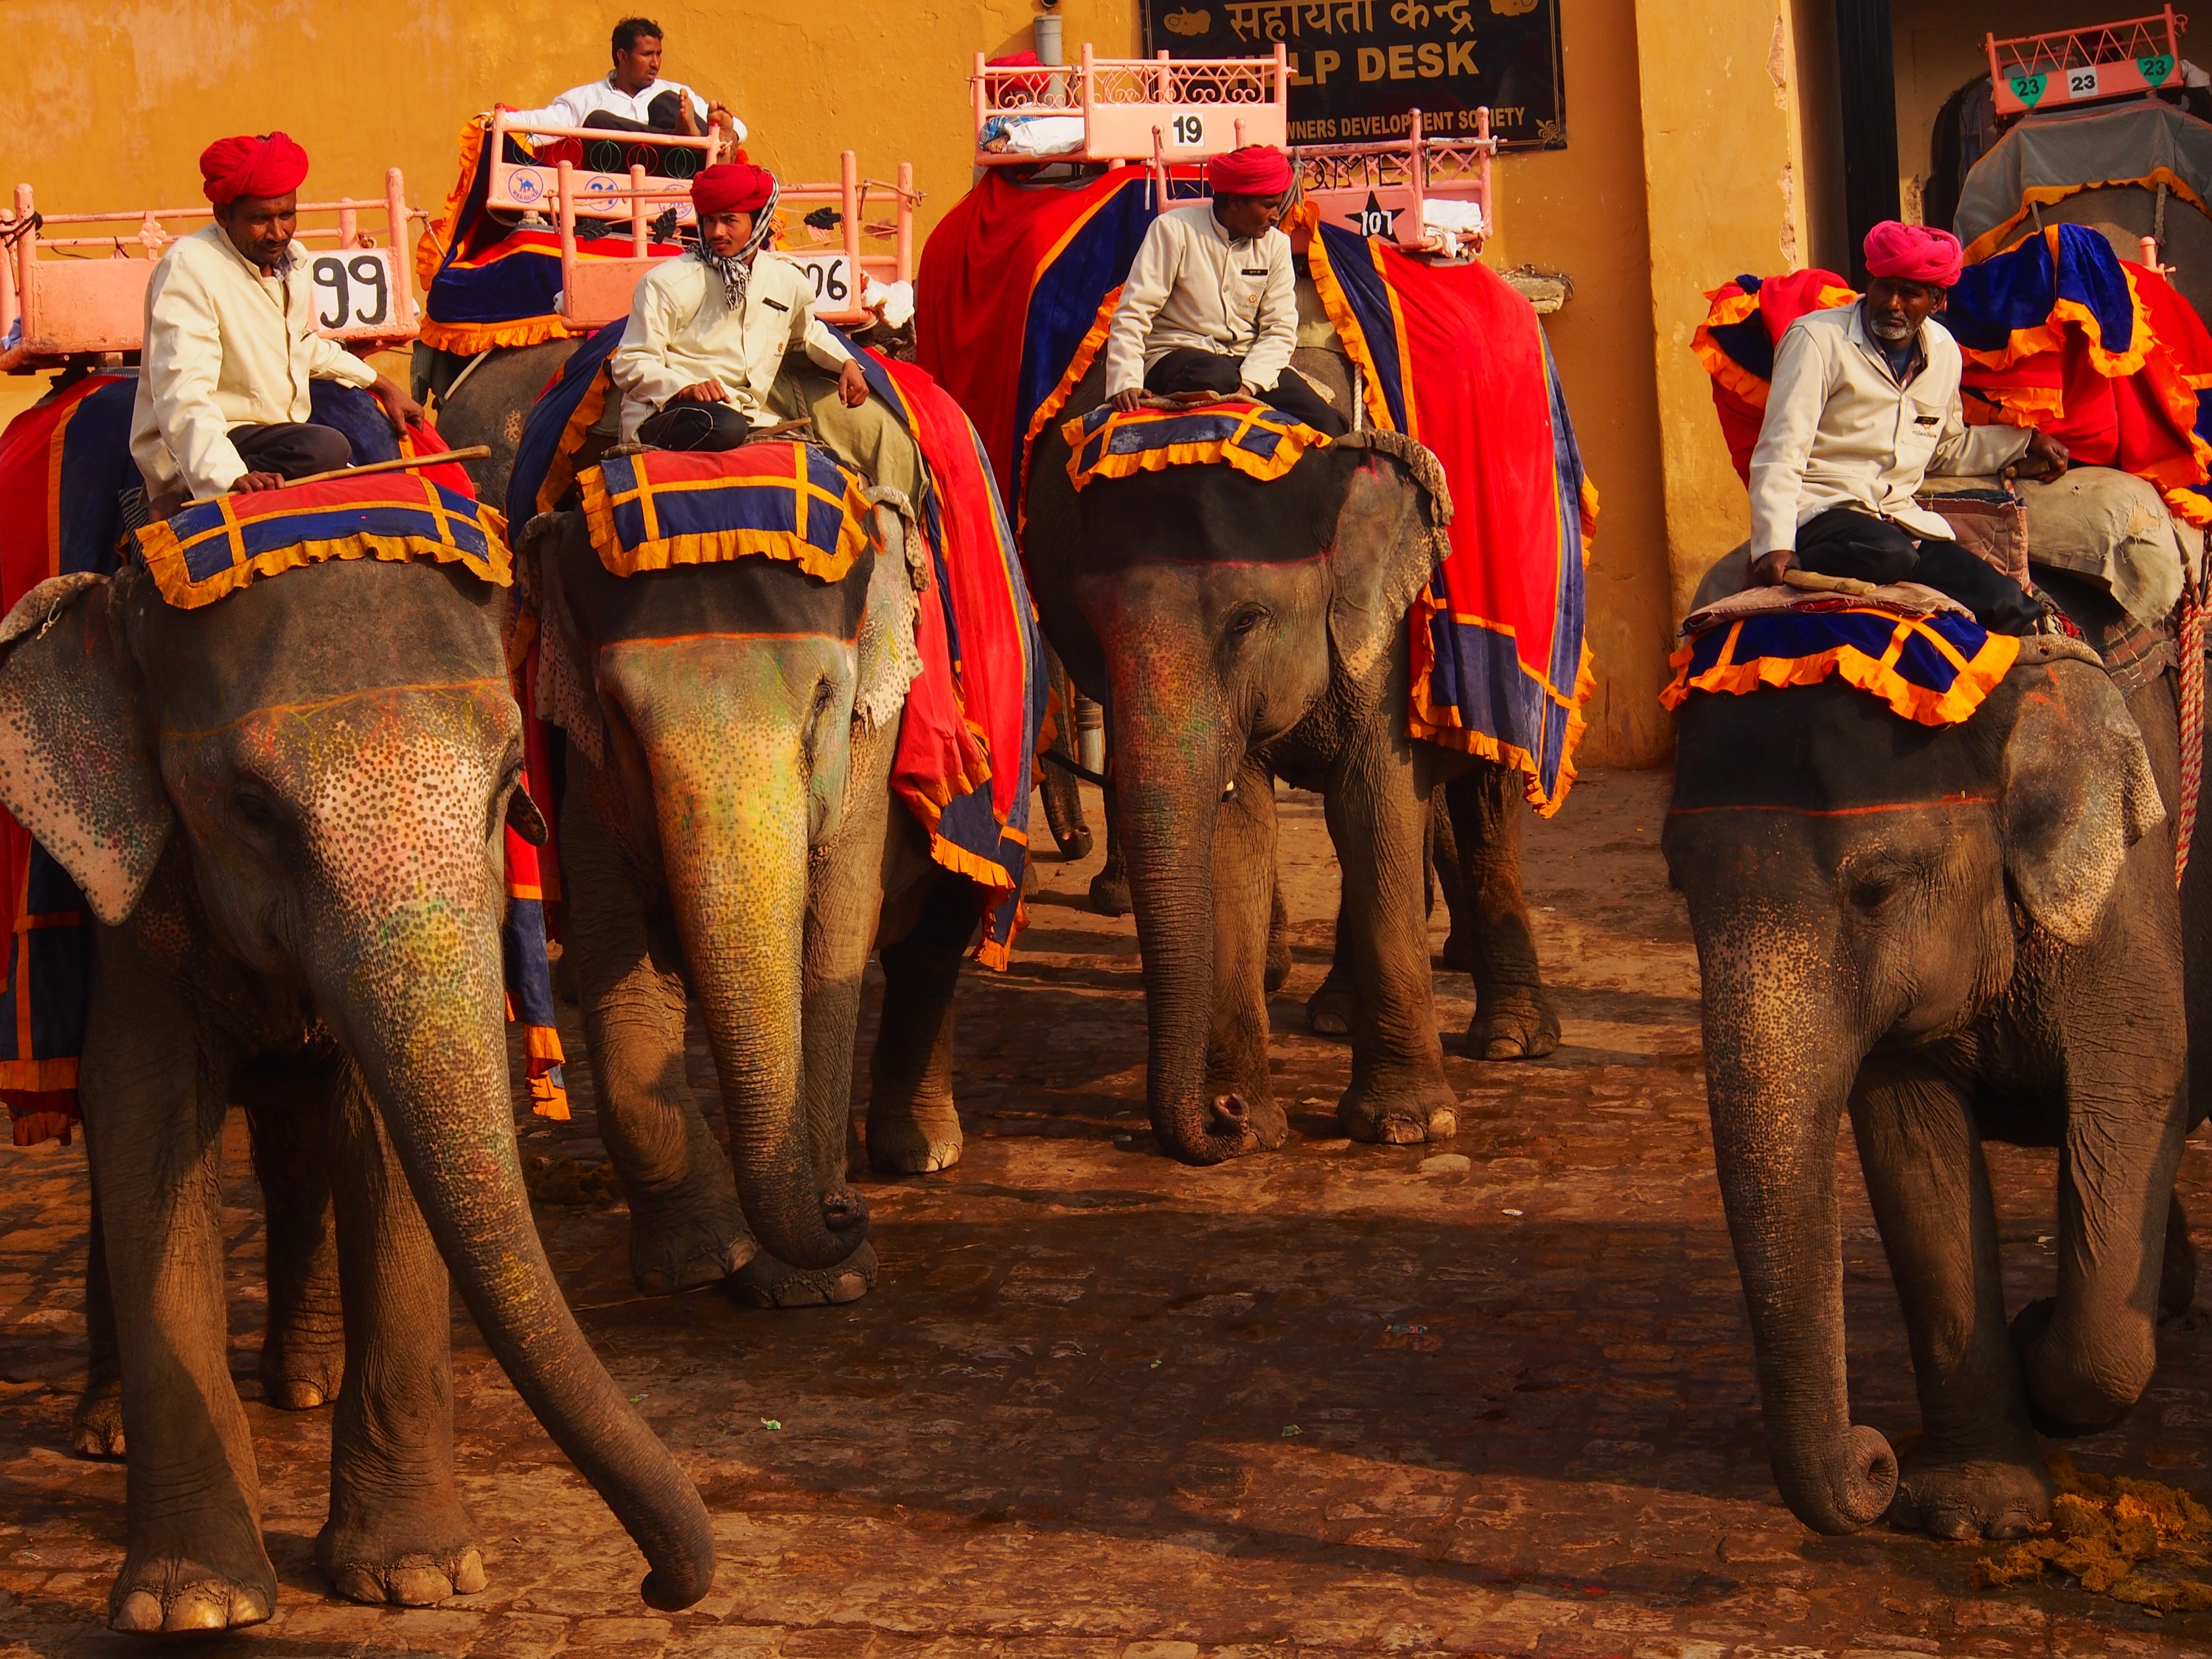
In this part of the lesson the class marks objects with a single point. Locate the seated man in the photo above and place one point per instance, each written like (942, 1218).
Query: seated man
(708, 331)
(1864, 405)
(230, 341)
(634, 98)
(1210, 304)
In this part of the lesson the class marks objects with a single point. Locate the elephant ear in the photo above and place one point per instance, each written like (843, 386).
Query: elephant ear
(2077, 793)
(890, 660)
(566, 693)
(1388, 540)
(75, 767)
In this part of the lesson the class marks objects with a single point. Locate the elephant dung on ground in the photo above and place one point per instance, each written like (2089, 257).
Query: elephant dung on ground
(286, 810)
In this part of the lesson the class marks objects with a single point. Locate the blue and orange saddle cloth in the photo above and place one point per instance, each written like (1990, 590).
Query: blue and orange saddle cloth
(1261, 443)
(1921, 654)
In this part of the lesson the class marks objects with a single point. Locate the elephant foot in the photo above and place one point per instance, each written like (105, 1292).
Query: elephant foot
(914, 1139)
(1109, 894)
(97, 1430)
(2069, 1397)
(2177, 1278)
(764, 1282)
(1278, 972)
(191, 1582)
(676, 1246)
(1512, 1025)
(302, 1370)
(1968, 1498)
(405, 1555)
(1328, 1011)
(1399, 1117)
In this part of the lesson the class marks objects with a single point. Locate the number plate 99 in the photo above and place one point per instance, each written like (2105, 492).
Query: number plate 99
(352, 293)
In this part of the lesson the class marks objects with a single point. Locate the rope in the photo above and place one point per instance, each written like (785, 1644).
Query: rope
(2192, 722)
(1053, 758)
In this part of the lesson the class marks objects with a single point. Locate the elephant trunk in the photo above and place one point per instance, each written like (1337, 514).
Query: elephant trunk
(738, 862)
(1169, 775)
(1778, 1079)
(418, 999)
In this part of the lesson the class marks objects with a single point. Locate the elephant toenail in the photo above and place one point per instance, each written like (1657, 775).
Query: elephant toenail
(469, 1574)
(138, 1611)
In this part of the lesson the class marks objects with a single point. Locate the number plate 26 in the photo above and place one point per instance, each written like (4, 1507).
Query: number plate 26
(354, 295)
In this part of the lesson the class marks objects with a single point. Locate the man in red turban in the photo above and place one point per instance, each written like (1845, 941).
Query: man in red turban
(230, 343)
(1210, 304)
(707, 334)
(1862, 407)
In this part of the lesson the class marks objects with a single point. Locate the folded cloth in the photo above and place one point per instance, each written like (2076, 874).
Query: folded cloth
(1932, 669)
(1906, 598)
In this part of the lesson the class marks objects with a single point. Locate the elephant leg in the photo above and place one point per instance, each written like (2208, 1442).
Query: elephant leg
(303, 1344)
(1328, 1010)
(1513, 1017)
(97, 1430)
(1977, 1471)
(1376, 803)
(1279, 936)
(2177, 1278)
(1458, 956)
(1237, 1076)
(1109, 888)
(913, 1125)
(396, 1532)
(153, 1108)
(1063, 795)
(686, 1227)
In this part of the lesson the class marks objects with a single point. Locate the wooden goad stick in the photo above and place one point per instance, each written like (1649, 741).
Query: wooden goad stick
(404, 463)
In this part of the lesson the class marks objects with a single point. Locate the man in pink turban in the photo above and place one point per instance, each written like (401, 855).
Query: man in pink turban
(230, 344)
(1210, 304)
(1862, 407)
(707, 334)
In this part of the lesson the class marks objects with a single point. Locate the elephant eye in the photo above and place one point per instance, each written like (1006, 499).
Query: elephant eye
(1873, 889)
(254, 807)
(1245, 618)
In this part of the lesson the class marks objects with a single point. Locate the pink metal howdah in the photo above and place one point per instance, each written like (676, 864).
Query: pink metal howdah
(1384, 189)
(2070, 67)
(1165, 110)
(84, 293)
(529, 186)
(844, 261)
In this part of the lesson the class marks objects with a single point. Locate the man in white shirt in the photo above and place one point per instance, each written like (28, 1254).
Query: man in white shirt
(1862, 406)
(230, 343)
(708, 331)
(634, 98)
(1211, 302)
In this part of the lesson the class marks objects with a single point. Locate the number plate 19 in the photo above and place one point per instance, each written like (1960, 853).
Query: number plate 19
(354, 294)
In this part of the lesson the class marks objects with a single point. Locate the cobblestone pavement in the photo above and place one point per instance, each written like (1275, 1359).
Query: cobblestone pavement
(1489, 1398)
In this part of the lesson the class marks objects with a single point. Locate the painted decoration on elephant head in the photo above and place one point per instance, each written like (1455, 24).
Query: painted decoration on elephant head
(1359, 67)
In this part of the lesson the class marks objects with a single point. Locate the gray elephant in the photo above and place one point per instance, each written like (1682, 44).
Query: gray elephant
(1239, 632)
(728, 835)
(288, 820)
(1956, 933)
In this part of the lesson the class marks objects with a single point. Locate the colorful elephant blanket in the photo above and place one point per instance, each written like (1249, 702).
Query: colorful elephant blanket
(2058, 331)
(971, 724)
(773, 500)
(1261, 443)
(1016, 292)
(488, 283)
(64, 465)
(1935, 669)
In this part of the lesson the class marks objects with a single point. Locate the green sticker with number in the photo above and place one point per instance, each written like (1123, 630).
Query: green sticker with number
(2155, 69)
(2028, 88)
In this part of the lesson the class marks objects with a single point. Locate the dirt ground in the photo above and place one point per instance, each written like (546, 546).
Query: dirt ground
(1494, 1397)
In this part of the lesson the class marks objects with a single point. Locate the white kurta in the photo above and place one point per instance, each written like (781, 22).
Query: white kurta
(224, 346)
(570, 108)
(1841, 432)
(681, 331)
(1191, 285)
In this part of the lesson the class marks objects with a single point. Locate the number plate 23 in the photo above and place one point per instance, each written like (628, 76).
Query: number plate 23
(352, 293)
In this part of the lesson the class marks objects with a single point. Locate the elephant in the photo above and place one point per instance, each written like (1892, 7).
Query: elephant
(728, 835)
(1957, 933)
(1239, 631)
(485, 398)
(289, 827)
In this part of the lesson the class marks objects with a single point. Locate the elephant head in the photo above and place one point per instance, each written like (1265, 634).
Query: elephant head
(1217, 616)
(323, 765)
(724, 721)
(1860, 885)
